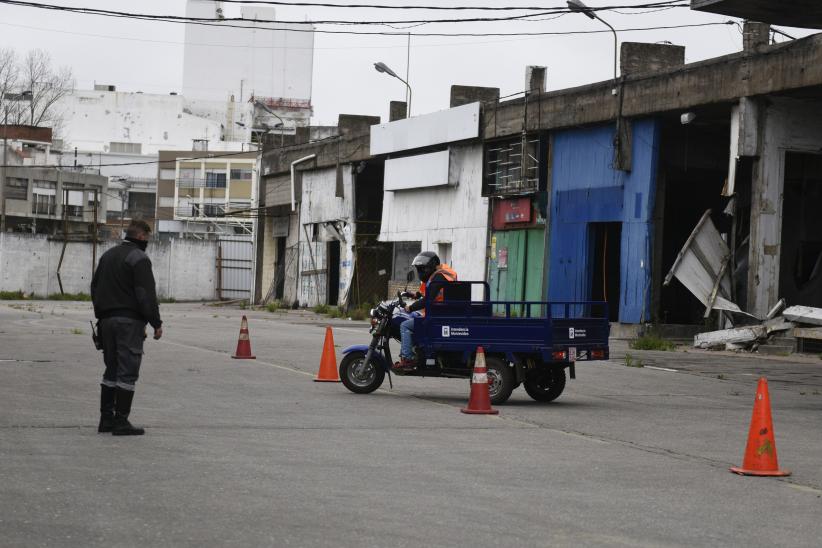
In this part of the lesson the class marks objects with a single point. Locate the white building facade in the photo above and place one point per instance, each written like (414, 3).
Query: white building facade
(433, 200)
(274, 68)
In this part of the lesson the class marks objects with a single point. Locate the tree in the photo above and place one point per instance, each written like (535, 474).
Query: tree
(9, 75)
(47, 84)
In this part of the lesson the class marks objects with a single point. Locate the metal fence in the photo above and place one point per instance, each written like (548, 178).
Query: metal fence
(235, 263)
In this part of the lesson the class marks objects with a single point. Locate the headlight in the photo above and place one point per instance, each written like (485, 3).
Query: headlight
(372, 313)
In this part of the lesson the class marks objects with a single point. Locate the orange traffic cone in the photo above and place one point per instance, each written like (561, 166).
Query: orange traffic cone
(760, 453)
(479, 403)
(328, 362)
(243, 343)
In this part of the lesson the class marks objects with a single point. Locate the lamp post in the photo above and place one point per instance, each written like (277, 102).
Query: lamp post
(579, 7)
(382, 67)
(24, 96)
(281, 125)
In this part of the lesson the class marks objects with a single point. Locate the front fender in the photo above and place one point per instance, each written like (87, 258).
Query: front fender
(376, 356)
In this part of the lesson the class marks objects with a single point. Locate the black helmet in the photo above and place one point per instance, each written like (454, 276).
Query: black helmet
(425, 263)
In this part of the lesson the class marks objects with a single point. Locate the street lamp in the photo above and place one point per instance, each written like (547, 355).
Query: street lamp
(281, 125)
(382, 67)
(578, 7)
(24, 96)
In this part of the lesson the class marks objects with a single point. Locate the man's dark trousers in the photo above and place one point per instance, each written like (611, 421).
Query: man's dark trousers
(122, 340)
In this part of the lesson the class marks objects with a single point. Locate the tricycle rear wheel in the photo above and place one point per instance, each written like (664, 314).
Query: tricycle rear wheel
(545, 385)
(359, 378)
(501, 380)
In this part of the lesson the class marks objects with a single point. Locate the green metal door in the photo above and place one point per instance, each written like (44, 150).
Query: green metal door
(515, 271)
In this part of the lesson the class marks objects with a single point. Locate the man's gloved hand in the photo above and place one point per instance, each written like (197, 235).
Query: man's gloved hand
(158, 332)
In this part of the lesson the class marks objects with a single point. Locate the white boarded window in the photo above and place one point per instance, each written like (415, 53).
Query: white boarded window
(125, 148)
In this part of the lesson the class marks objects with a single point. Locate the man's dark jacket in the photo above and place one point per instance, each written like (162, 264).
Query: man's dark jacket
(123, 285)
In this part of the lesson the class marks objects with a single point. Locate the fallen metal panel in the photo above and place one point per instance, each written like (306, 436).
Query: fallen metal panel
(804, 314)
(701, 266)
(446, 126)
(737, 335)
(420, 171)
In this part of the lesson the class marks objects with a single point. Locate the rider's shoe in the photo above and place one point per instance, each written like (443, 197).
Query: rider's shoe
(405, 365)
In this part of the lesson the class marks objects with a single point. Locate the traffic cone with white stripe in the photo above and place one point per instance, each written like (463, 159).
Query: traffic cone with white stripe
(479, 403)
(243, 343)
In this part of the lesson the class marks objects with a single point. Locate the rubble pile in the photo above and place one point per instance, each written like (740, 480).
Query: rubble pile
(797, 320)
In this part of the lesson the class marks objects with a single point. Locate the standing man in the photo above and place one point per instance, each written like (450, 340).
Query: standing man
(125, 300)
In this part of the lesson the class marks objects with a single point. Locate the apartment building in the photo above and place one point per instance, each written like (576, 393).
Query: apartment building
(203, 194)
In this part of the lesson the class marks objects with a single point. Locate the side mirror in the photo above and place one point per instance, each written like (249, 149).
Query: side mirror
(410, 276)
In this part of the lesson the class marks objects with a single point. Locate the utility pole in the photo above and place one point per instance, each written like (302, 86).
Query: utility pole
(3, 179)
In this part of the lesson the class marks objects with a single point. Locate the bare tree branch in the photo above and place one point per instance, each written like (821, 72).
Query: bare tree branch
(9, 75)
(47, 86)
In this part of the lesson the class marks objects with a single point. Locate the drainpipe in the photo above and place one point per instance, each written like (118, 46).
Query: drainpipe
(293, 165)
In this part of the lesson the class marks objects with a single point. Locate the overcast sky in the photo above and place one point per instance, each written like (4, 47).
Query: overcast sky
(148, 56)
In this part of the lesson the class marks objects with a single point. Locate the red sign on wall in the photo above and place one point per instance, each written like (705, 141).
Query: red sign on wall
(512, 213)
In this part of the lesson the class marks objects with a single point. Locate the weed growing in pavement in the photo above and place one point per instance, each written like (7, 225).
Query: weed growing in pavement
(721, 377)
(167, 300)
(630, 361)
(243, 305)
(18, 296)
(802, 393)
(360, 314)
(76, 331)
(274, 306)
(321, 309)
(652, 342)
(815, 393)
(336, 312)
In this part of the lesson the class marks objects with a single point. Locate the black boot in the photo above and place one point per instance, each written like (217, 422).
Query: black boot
(122, 407)
(106, 408)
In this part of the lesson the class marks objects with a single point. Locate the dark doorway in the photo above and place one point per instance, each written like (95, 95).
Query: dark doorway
(279, 269)
(606, 244)
(693, 169)
(333, 269)
(800, 262)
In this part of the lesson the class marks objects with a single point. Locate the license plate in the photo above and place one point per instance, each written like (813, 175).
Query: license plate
(572, 354)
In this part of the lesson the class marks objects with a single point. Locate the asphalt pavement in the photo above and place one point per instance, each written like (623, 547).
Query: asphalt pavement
(253, 453)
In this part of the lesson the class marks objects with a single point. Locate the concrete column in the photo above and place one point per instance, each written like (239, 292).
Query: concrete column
(535, 79)
(397, 110)
(755, 36)
(463, 95)
(356, 124)
(638, 57)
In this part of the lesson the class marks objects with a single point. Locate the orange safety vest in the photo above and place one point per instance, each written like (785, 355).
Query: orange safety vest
(448, 273)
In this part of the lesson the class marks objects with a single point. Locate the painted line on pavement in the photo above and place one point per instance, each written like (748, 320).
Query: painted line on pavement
(662, 368)
(276, 366)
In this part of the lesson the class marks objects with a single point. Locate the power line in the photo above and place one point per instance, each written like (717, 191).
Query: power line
(178, 159)
(218, 23)
(422, 8)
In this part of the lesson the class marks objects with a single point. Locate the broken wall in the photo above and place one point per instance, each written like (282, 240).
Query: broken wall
(786, 125)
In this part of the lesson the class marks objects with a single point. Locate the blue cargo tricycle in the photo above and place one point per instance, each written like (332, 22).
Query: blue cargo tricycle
(525, 342)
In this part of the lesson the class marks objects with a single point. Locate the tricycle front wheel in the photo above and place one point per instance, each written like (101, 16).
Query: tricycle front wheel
(545, 385)
(358, 377)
